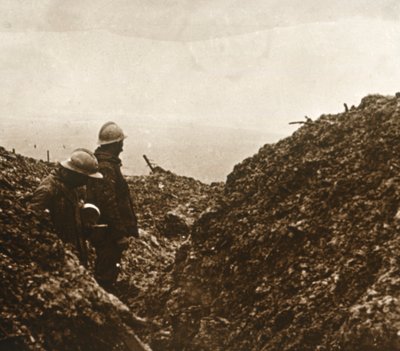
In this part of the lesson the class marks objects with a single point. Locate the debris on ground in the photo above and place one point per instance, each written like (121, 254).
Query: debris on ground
(44, 283)
(48, 301)
(167, 205)
(298, 250)
(303, 251)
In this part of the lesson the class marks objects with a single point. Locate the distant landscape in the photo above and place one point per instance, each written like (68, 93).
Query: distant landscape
(205, 152)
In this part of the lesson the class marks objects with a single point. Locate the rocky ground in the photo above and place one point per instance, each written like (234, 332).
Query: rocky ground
(303, 251)
(47, 300)
(50, 302)
(299, 250)
(167, 206)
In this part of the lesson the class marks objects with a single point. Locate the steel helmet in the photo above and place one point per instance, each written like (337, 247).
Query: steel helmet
(110, 133)
(83, 161)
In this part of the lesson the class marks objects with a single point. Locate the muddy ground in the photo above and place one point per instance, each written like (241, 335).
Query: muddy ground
(298, 250)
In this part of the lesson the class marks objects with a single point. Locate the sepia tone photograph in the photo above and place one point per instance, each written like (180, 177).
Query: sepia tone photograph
(196, 175)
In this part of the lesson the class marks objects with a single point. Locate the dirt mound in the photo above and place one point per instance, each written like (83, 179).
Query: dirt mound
(161, 193)
(301, 253)
(157, 198)
(47, 300)
(304, 253)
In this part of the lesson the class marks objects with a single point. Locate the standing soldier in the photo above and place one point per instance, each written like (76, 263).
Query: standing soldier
(58, 194)
(111, 195)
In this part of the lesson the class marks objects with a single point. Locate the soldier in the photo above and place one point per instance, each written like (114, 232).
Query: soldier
(111, 195)
(58, 194)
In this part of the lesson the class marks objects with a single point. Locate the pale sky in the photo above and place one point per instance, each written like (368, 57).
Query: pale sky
(255, 64)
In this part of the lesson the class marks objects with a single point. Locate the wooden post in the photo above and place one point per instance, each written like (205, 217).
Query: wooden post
(48, 156)
(148, 163)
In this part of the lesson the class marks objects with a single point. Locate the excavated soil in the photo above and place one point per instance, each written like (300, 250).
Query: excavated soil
(158, 197)
(48, 301)
(299, 250)
(303, 251)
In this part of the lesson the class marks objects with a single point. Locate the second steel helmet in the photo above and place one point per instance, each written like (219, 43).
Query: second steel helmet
(84, 162)
(110, 133)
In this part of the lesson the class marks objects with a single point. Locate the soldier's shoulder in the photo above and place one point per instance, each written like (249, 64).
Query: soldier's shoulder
(107, 166)
(48, 187)
(107, 169)
(50, 182)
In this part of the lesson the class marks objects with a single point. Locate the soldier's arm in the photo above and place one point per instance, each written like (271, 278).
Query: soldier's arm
(42, 198)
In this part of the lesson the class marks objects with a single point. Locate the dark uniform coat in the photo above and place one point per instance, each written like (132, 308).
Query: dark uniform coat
(111, 194)
(62, 201)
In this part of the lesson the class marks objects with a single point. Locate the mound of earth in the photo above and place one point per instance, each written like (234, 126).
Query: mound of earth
(163, 193)
(303, 252)
(158, 197)
(48, 301)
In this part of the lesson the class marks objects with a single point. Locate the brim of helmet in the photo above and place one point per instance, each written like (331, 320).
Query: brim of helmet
(67, 164)
(101, 142)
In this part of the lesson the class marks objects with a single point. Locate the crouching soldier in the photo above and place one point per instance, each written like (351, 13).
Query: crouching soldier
(58, 194)
(111, 195)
